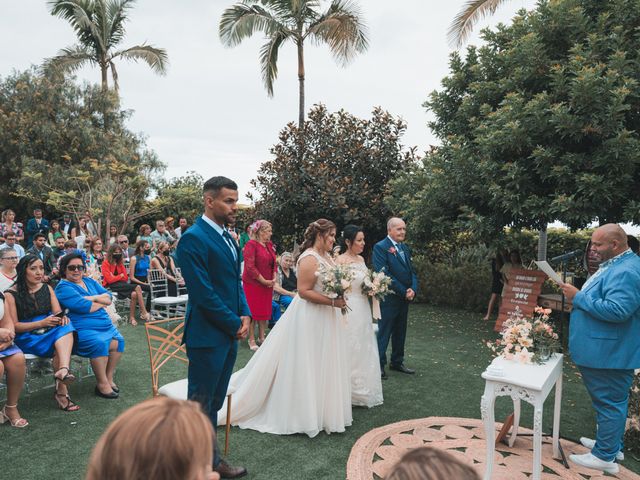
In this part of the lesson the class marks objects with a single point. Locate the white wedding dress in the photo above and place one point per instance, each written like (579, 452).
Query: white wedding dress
(299, 379)
(366, 385)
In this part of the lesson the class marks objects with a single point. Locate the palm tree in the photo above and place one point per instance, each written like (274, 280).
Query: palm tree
(339, 27)
(99, 25)
(473, 11)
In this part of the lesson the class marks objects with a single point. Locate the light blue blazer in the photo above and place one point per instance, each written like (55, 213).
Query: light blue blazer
(605, 320)
(212, 277)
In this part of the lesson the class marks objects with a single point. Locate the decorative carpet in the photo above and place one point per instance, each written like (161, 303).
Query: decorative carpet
(377, 451)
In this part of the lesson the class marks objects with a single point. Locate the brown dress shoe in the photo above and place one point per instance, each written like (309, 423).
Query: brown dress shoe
(227, 471)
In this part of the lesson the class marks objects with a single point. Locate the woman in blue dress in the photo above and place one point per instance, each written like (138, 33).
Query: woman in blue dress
(139, 269)
(98, 339)
(41, 326)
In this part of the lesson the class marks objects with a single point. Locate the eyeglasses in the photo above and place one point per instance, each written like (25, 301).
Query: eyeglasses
(9, 258)
(124, 241)
(76, 268)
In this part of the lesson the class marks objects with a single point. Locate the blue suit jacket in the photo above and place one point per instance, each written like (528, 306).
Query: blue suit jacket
(402, 274)
(605, 320)
(32, 229)
(216, 297)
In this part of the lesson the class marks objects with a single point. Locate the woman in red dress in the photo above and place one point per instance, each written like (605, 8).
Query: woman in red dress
(258, 277)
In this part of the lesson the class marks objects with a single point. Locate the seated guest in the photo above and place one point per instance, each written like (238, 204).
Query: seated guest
(81, 232)
(182, 227)
(163, 262)
(8, 262)
(44, 252)
(98, 338)
(35, 225)
(127, 251)
(10, 242)
(139, 269)
(115, 278)
(168, 224)
(9, 225)
(70, 246)
(428, 463)
(55, 233)
(66, 225)
(96, 255)
(144, 233)
(113, 234)
(41, 327)
(160, 234)
(285, 287)
(160, 439)
(58, 250)
(13, 365)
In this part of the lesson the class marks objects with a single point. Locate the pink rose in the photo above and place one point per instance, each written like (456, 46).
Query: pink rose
(392, 250)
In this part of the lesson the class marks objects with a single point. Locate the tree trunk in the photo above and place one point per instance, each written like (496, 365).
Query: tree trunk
(301, 83)
(105, 79)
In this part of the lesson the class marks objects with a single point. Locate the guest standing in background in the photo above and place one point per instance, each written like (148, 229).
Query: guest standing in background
(244, 237)
(10, 225)
(258, 277)
(36, 225)
(113, 234)
(182, 227)
(514, 263)
(67, 225)
(496, 283)
(81, 232)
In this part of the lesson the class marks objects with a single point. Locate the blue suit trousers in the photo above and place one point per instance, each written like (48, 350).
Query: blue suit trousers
(609, 391)
(392, 326)
(209, 372)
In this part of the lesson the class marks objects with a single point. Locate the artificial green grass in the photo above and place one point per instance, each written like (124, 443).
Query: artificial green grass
(444, 346)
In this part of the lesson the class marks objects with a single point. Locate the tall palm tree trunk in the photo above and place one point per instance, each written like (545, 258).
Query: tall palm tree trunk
(301, 84)
(105, 79)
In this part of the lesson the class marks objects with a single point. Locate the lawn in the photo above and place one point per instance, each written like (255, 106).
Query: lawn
(445, 346)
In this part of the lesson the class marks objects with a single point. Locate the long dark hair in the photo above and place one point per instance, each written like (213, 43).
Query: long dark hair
(23, 297)
(349, 233)
(111, 251)
(321, 227)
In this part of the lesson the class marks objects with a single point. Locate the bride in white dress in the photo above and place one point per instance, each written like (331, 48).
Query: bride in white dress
(298, 380)
(366, 385)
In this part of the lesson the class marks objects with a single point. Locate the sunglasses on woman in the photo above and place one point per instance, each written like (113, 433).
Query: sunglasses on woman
(76, 268)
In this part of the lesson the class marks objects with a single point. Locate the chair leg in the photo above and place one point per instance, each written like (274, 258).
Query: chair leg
(228, 426)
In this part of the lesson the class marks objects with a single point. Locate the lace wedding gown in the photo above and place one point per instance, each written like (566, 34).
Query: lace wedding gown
(298, 380)
(366, 385)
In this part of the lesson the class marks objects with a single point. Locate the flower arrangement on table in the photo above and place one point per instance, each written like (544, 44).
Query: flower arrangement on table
(527, 340)
(376, 286)
(336, 282)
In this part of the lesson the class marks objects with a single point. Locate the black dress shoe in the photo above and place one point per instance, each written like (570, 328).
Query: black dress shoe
(111, 396)
(402, 368)
(227, 471)
(383, 375)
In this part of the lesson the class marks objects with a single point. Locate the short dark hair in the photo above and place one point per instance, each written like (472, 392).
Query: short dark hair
(215, 184)
(37, 210)
(9, 234)
(39, 235)
(66, 259)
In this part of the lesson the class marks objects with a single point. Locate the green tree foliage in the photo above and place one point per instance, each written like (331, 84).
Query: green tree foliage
(99, 25)
(57, 150)
(539, 124)
(338, 168)
(180, 197)
(282, 21)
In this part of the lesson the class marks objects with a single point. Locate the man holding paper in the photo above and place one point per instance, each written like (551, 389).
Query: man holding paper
(604, 341)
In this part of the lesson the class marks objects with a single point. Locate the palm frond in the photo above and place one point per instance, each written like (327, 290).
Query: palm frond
(70, 59)
(470, 14)
(116, 18)
(242, 20)
(340, 27)
(156, 58)
(269, 59)
(81, 16)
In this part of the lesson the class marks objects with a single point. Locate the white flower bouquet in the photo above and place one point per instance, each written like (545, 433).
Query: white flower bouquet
(336, 281)
(376, 286)
(527, 340)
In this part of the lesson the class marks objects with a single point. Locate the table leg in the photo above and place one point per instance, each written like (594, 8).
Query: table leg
(537, 439)
(516, 421)
(488, 416)
(556, 417)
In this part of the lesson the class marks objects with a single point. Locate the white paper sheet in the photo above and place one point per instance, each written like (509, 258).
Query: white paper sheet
(551, 273)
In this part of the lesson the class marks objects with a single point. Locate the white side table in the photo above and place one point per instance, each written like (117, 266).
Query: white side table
(531, 383)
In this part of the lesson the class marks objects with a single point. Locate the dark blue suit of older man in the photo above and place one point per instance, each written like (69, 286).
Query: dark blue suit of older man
(604, 341)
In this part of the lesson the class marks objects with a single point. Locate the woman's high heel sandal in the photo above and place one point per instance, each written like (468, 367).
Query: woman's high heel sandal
(67, 378)
(17, 423)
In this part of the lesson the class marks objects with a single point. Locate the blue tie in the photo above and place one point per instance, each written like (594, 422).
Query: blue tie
(401, 252)
(231, 244)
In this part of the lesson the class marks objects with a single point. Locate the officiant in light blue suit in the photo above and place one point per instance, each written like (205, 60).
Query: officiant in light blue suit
(394, 257)
(604, 340)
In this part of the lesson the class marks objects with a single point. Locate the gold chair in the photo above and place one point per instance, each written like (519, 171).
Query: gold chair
(164, 338)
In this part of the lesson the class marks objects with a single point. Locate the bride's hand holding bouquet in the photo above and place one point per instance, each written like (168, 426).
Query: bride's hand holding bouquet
(336, 282)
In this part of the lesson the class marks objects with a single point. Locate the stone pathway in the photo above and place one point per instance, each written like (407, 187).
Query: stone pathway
(377, 451)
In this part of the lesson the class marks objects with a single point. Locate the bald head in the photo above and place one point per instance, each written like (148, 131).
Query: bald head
(609, 241)
(396, 229)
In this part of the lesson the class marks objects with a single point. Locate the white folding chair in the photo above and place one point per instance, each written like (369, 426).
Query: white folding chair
(161, 303)
(182, 289)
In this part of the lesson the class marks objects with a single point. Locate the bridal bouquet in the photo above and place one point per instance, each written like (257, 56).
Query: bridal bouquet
(336, 281)
(527, 340)
(376, 285)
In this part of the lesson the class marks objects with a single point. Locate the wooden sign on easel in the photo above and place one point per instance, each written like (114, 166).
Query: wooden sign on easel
(522, 291)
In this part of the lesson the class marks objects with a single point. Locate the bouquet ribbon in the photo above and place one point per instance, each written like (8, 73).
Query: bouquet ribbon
(375, 308)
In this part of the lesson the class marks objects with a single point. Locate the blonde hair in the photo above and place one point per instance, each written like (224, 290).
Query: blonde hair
(161, 438)
(256, 227)
(427, 463)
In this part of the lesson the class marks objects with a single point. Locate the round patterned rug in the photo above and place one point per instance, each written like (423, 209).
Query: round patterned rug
(377, 451)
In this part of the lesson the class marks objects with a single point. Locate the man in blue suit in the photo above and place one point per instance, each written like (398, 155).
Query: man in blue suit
(394, 257)
(217, 313)
(604, 341)
(37, 224)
